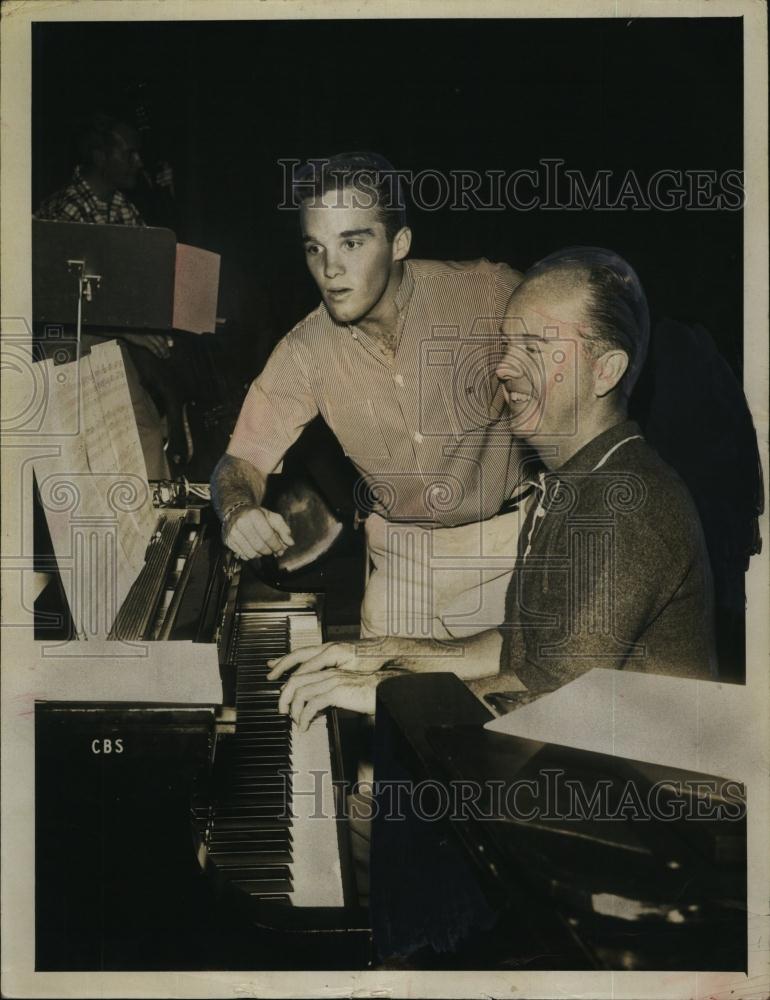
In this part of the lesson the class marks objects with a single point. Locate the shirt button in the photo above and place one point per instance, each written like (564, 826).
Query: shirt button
(418, 437)
(355, 335)
(398, 379)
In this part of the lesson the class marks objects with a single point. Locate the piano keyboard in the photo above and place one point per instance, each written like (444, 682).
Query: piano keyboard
(263, 835)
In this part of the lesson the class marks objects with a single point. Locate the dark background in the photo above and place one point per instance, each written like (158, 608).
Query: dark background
(226, 100)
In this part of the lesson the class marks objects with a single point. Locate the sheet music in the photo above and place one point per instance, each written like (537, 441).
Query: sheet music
(677, 721)
(115, 400)
(105, 440)
(94, 492)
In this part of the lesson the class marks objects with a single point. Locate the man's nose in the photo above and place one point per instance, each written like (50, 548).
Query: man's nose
(333, 265)
(509, 367)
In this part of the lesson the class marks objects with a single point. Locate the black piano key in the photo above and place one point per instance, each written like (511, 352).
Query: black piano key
(255, 765)
(258, 887)
(266, 741)
(251, 856)
(269, 839)
(268, 715)
(277, 780)
(262, 873)
(251, 823)
(247, 755)
(234, 810)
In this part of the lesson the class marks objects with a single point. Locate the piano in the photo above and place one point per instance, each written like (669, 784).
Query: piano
(196, 837)
(176, 836)
(493, 878)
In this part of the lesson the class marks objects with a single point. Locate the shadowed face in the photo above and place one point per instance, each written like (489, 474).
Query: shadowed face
(121, 162)
(348, 254)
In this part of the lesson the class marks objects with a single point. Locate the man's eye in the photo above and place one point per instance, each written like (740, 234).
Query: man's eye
(352, 244)
(312, 249)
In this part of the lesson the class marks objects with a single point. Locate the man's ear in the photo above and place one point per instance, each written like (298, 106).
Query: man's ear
(402, 241)
(609, 369)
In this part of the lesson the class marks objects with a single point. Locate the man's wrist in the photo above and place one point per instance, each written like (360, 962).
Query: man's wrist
(231, 511)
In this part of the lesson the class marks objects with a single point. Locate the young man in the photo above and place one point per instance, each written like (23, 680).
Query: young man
(612, 568)
(399, 361)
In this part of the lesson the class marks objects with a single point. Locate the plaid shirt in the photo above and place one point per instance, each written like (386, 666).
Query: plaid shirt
(78, 203)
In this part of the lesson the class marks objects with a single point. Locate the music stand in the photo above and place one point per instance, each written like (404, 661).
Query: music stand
(106, 277)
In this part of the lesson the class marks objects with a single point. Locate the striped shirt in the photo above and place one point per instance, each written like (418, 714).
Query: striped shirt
(428, 428)
(78, 203)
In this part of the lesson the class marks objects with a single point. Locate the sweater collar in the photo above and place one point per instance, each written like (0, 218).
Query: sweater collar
(589, 456)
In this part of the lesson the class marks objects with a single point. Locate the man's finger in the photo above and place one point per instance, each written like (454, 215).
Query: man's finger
(295, 684)
(280, 664)
(315, 705)
(243, 545)
(309, 692)
(278, 525)
(331, 655)
(252, 529)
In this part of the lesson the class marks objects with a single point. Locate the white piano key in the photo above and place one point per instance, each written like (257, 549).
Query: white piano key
(315, 869)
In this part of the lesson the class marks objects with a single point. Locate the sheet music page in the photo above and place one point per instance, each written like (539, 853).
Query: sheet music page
(100, 519)
(135, 522)
(678, 721)
(115, 401)
(68, 493)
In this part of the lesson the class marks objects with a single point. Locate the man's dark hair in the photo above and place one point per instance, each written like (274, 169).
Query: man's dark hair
(618, 315)
(95, 132)
(374, 178)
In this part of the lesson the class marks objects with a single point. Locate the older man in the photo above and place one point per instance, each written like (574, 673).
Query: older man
(612, 568)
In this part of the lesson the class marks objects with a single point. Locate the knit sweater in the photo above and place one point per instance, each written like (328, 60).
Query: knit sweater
(612, 571)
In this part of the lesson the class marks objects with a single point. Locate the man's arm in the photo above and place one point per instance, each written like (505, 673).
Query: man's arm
(471, 658)
(279, 404)
(237, 491)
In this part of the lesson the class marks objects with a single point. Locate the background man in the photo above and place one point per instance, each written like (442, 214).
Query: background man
(109, 164)
(612, 568)
(435, 453)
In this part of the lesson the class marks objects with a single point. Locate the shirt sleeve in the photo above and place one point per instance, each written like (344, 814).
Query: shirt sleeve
(279, 404)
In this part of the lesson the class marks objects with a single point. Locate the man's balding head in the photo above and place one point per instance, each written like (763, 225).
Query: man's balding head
(604, 298)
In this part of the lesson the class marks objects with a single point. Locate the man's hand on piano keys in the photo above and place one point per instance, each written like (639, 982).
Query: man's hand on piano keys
(256, 531)
(361, 657)
(305, 695)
